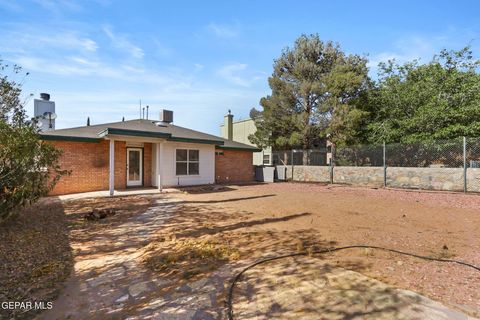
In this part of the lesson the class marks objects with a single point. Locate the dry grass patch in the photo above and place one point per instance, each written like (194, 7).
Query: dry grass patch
(35, 256)
(189, 257)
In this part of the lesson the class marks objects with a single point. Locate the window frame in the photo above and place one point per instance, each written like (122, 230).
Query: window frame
(187, 162)
(268, 160)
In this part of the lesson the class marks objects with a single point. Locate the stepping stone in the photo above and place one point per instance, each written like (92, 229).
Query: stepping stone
(122, 299)
(138, 288)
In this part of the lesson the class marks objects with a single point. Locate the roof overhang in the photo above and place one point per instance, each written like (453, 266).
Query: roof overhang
(192, 140)
(134, 133)
(51, 137)
(127, 133)
(239, 148)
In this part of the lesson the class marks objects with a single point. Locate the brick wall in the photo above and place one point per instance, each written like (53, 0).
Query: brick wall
(120, 165)
(147, 165)
(89, 166)
(234, 166)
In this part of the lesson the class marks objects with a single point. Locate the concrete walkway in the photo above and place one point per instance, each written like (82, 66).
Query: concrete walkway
(118, 193)
(109, 282)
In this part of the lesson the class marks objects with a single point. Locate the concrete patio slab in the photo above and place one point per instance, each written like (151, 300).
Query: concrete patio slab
(307, 288)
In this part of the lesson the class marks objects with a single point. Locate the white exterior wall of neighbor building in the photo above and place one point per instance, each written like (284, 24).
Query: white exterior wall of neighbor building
(39, 108)
(241, 130)
(168, 165)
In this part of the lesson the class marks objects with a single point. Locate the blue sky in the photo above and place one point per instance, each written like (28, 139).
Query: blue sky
(97, 58)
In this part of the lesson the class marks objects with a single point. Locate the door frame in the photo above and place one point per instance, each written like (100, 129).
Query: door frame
(140, 182)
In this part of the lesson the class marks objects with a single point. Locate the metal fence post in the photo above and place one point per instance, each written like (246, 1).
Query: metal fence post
(384, 165)
(332, 159)
(465, 164)
(291, 155)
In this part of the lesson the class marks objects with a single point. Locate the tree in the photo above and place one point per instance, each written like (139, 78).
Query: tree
(414, 102)
(314, 89)
(28, 167)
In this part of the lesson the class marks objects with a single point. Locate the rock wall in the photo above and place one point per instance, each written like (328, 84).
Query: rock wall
(447, 179)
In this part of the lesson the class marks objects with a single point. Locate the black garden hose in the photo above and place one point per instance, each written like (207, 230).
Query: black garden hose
(237, 277)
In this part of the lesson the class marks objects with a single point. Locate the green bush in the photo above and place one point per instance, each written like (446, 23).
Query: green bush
(29, 167)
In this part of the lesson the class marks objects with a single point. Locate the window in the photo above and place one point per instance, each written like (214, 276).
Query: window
(187, 162)
(266, 159)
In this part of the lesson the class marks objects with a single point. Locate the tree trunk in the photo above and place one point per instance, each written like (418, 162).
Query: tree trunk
(305, 153)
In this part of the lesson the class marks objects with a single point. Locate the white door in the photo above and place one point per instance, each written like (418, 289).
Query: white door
(134, 167)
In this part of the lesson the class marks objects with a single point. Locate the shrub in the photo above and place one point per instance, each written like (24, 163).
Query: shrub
(29, 167)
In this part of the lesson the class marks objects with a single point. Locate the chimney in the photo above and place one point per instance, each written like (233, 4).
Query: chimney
(45, 96)
(166, 116)
(44, 112)
(229, 125)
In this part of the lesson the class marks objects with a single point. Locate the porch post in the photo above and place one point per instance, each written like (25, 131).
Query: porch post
(111, 182)
(158, 165)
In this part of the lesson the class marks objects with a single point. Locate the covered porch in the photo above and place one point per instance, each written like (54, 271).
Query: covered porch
(134, 162)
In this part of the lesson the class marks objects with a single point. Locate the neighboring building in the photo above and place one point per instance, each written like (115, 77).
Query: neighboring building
(145, 153)
(239, 131)
(44, 112)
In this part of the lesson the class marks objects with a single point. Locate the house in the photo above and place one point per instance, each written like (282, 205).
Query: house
(146, 153)
(239, 131)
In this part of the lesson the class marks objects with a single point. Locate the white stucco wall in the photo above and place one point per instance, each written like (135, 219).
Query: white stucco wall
(167, 164)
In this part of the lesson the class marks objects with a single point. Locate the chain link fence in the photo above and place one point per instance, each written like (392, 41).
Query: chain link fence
(472, 159)
(297, 157)
(452, 165)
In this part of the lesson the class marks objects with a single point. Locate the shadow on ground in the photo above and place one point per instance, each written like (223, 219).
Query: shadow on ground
(115, 274)
(35, 256)
(306, 288)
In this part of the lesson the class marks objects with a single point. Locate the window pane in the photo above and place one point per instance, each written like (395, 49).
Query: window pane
(181, 168)
(193, 155)
(181, 155)
(266, 159)
(134, 165)
(193, 168)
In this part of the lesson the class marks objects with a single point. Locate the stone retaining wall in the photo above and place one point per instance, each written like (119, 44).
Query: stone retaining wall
(368, 176)
(447, 179)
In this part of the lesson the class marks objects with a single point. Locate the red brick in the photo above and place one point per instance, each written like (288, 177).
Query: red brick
(234, 166)
(89, 166)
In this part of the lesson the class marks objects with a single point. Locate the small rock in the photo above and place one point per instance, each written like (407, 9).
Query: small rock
(400, 263)
(155, 304)
(198, 284)
(137, 288)
(122, 299)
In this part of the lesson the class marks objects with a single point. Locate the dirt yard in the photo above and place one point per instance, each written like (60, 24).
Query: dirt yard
(285, 217)
(35, 256)
(173, 256)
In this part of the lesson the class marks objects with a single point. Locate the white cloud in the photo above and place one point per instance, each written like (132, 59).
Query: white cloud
(421, 47)
(74, 66)
(238, 74)
(121, 42)
(223, 31)
(29, 39)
